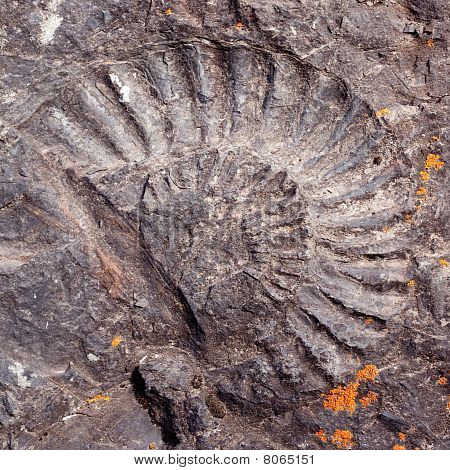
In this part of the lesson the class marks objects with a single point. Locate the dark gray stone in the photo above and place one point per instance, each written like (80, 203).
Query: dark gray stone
(208, 219)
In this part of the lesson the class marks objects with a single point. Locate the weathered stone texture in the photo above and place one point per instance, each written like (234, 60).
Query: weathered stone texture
(212, 213)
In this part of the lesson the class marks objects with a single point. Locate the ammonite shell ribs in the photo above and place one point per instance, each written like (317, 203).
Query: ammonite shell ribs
(214, 232)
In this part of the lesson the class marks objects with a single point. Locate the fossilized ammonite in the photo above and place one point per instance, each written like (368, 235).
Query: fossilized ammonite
(211, 231)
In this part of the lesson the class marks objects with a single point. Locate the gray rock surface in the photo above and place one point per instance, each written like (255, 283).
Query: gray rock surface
(212, 213)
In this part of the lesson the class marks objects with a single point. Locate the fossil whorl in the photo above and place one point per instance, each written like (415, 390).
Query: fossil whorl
(264, 189)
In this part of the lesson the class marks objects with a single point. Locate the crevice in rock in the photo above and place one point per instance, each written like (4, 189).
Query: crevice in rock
(159, 409)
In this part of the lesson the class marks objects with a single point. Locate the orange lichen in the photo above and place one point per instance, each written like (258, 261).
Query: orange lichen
(386, 229)
(408, 218)
(401, 436)
(425, 175)
(116, 341)
(442, 381)
(343, 439)
(239, 26)
(168, 12)
(367, 374)
(434, 138)
(443, 262)
(370, 398)
(422, 191)
(342, 398)
(382, 112)
(430, 42)
(398, 447)
(99, 397)
(320, 434)
(152, 446)
(369, 321)
(411, 283)
(434, 161)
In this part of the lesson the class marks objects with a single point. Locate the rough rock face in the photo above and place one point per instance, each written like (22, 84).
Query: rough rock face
(213, 214)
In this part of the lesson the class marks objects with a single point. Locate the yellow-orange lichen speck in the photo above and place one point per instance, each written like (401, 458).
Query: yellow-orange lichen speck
(99, 397)
(434, 138)
(442, 381)
(343, 439)
(342, 398)
(430, 42)
(369, 321)
(418, 207)
(411, 283)
(367, 374)
(425, 175)
(434, 161)
(239, 26)
(401, 436)
(152, 446)
(443, 262)
(422, 191)
(398, 447)
(382, 112)
(116, 341)
(168, 12)
(408, 218)
(320, 434)
(370, 398)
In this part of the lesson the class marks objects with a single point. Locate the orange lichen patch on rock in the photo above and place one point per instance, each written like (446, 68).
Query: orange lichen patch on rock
(408, 218)
(386, 229)
(430, 42)
(239, 26)
(342, 438)
(443, 262)
(425, 175)
(367, 374)
(99, 397)
(116, 341)
(401, 436)
(398, 447)
(320, 434)
(442, 381)
(411, 283)
(434, 161)
(367, 400)
(422, 191)
(342, 398)
(369, 321)
(434, 138)
(152, 446)
(382, 112)
(168, 12)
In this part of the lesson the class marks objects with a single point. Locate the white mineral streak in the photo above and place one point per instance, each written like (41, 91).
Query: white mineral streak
(66, 418)
(50, 22)
(18, 370)
(123, 90)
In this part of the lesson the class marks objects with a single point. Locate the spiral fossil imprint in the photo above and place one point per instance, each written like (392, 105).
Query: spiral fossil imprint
(263, 175)
(231, 225)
